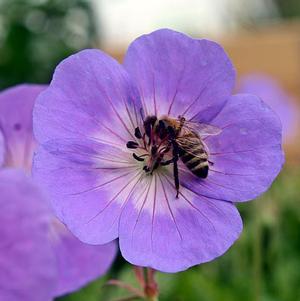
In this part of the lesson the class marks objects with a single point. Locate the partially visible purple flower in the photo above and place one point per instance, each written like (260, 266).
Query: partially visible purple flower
(1, 148)
(27, 263)
(272, 93)
(76, 263)
(107, 155)
(16, 125)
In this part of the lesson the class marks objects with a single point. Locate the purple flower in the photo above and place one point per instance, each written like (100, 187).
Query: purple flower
(1, 148)
(27, 263)
(109, 153)
(270, 91)
(75, 263)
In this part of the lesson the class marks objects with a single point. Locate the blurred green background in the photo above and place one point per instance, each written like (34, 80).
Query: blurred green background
(264, 264)
(35, 35)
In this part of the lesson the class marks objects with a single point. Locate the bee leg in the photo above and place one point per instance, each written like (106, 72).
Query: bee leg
(165, 163)
(175, 166)
(175, 153)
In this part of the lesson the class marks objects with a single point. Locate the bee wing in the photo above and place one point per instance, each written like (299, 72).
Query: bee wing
(191, 146)
(202, 129)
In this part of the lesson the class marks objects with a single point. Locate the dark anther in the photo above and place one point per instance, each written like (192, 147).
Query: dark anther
(137, 157)
(132, 144)
(137, 133)
(146, 169)
(153, 150)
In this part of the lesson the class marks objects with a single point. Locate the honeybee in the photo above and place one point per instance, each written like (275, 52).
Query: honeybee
(185, 138)
(178, 138)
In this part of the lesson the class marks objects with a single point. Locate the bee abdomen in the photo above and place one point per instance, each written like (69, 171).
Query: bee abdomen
(197, 163)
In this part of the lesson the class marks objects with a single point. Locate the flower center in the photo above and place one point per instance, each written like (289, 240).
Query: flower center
(163, 141)
(153, 143)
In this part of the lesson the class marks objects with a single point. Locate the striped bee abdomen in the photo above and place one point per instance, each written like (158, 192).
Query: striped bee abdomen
(195, 160)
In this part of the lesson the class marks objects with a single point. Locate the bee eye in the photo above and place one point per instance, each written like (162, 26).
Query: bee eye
(149, 123)
(161, 129)
(153, 120)
(171, 132)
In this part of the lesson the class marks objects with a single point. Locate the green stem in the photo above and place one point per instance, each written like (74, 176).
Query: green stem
(257, 272)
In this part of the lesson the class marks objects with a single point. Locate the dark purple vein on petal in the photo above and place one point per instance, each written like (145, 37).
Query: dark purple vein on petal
(232, 174)
(154, 95)
(201, 183)
(142, 207)
(114, 197)
(102, 184)
(128, 196)
(224, 186)
(169, 207)
(191, 204)
(153, 210)
(110, 102)
(209, 199)
(176, 91)
(193, 102)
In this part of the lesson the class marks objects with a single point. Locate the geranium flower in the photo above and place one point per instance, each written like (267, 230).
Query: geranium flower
(75, 263)
(27, 263)
(270, 91)
(110, 164)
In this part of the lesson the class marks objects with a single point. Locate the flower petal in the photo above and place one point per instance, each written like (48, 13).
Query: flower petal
(247, 155)
(90, 96)
(178, 75)
(2, 149)
(170, 234)
(27, 262)
(78, 263)
(88, 183)
(16, 106)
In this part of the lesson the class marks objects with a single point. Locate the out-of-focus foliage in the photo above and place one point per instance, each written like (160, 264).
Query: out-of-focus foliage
(36, 34)
(263, 265)
(288, 8)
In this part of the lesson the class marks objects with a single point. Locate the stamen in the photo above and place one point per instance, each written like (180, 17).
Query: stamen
(132, 144)
(146, 168)
(137, 133)
(142, 114)
(156, 145)
(136, 157)
(144, 142)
